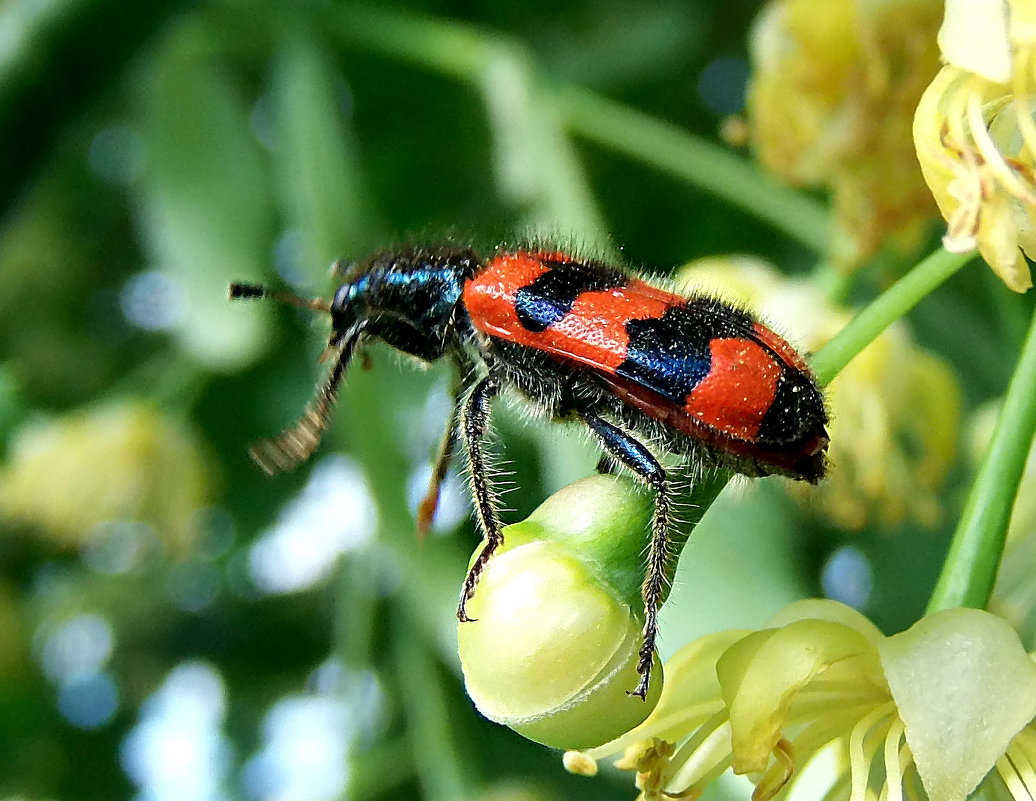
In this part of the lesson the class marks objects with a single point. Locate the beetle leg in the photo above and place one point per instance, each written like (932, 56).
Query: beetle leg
(430, 503)
(295, 445)
(632, 453)
(474, 419)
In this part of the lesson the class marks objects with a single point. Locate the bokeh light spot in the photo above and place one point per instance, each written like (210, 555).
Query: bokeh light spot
(722, 85)
(178, 750)
(153, 301)
(847, 577)
(334, 514)
(77, 647)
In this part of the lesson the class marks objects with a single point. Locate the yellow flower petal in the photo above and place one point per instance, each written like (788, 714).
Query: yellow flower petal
(763, 673)
(974, 37)
(691, 692)
(831, 611)
(964, 687)
(1023, 22)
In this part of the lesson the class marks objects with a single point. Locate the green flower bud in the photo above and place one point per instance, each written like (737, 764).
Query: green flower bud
(553, 650)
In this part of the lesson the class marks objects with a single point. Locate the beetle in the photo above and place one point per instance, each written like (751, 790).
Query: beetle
(579, 340)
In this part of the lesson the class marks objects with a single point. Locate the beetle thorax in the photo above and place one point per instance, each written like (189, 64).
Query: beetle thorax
(408, 299)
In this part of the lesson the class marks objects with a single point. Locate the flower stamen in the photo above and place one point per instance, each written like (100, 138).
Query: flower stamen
(779, 774)
(1016, 770)
(991, 154)
(859, 759)
(1009, 773)
(652, 767)
(966, 186)
(893, 765)
(580, 763)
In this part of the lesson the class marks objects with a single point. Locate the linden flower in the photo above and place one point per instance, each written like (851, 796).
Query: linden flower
(820, 692)
(894, 408)
(975, 136)
(834, 87)
(124, 460)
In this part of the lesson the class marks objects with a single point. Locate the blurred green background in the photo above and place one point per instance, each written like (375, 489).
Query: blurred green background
(173, 624)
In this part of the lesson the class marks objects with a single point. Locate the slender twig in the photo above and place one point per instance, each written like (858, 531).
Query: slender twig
(970, 569)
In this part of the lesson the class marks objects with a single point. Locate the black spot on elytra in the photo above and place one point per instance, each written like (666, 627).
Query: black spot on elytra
(670, 354)
(796, 414)
(549, 298)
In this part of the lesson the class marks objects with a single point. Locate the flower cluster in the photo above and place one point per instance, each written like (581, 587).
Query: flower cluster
(930, 711)
(121, 461)
(975, 135)
(834, 87)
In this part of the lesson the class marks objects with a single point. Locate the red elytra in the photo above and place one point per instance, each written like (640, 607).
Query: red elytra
(724, 411)
(643, 368)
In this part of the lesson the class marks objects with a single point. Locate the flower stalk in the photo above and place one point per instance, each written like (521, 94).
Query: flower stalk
(970, 570)
(894, 303)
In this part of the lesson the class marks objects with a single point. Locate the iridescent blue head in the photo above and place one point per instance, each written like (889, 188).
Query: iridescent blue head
(408, 299)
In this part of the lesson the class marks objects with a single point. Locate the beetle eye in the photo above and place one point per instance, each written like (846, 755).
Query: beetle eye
(341, 297)
(346, 269)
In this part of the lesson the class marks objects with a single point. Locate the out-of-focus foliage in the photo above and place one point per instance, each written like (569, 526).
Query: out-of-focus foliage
(173, 624)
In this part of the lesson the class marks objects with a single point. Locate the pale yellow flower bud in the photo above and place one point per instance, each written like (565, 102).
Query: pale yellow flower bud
(554, 647)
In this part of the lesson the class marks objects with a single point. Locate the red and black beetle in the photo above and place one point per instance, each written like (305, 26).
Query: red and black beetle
(584, 341)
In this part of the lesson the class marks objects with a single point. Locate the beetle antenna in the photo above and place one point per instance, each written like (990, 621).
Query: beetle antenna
(239, 291)
(295, 445)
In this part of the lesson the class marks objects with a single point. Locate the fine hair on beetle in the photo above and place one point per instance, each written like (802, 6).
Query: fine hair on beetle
(647, 371)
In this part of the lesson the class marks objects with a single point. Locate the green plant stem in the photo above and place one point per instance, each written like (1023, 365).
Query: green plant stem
(452, 48)
(970, 569)
(697, 161)
(895, 302)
